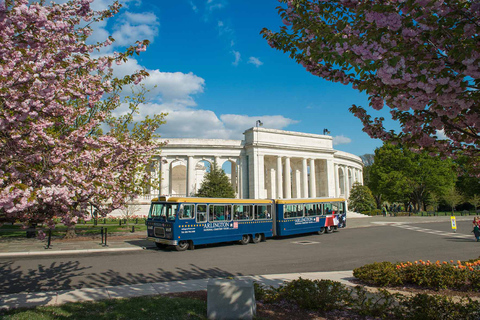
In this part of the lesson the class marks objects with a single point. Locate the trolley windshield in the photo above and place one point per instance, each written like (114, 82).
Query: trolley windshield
(163, 211)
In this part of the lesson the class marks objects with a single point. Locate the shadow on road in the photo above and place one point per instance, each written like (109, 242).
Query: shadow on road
(53, 284)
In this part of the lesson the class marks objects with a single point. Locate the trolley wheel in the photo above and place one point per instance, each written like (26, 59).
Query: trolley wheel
(160, 245)
(329, 230)
(257, 237)
(245, 239)
(321, 231)
(182, 245)
(335, 228)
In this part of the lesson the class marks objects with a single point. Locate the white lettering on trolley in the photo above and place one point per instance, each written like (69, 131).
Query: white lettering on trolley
(215, 226)
(306, 220)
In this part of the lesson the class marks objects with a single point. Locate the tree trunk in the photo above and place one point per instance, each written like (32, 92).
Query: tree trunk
(70, 232)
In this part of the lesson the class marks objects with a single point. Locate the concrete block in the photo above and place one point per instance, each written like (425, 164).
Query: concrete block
(230, 299)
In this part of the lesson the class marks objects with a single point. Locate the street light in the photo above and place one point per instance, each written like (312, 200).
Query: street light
(325, 131)
(259, 123)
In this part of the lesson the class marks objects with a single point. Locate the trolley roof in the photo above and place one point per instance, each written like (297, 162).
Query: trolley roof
(309, 200)
(227, 200)
(209, 200)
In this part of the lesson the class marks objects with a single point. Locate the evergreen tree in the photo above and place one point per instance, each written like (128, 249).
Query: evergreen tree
(361, 198)
(216, 184)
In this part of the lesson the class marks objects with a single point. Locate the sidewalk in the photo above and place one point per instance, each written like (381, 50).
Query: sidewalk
(29, 300)
(21, 247)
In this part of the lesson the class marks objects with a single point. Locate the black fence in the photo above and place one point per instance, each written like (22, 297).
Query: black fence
(33, 233)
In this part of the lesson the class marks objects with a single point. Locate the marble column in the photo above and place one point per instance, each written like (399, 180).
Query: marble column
(331, 181)
(261, 176)
(304, 178)
(313, 184)
(279, 178)
(288, 179)
(190, 176)
(162, 180)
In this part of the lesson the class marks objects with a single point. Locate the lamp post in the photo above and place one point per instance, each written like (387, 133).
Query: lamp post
(258, 123)
(325, 131)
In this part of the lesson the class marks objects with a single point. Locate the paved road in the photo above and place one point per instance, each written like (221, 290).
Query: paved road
(345, 250)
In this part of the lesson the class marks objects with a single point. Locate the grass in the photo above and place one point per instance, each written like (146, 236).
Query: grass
(151, 307)
(430, 213)
(16, 231)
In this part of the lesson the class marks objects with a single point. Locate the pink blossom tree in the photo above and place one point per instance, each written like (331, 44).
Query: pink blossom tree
(56, 161)
(420, 58)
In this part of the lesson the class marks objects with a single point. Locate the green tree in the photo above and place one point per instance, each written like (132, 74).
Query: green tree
(361, 198)
(387, 178)
(215, 184)
(474, 201)
(453, 198)
(401, 175)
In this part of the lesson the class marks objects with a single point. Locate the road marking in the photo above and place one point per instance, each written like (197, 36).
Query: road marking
(430, 231)
(305, 242)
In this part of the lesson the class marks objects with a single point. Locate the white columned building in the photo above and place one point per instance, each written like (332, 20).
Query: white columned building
(268, 163)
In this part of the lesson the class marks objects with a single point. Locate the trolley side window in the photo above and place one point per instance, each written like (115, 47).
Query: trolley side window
(187, 211)
(310, 210)
(242, 212)
(201, 212)
(289, 211)
(313, 209)
(263, 212)
(219, 213)
(328, 207)
(293, 211)
(341, 207)
(337, 207)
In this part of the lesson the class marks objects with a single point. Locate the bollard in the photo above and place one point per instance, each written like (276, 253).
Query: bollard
(120, 222)
(104, 221)
(106, 233)
(133, 229)
(49, 239)
(95, 222)
(136, 221)
(101, 231)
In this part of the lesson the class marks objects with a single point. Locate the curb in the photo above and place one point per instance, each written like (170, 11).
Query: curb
(47, 253)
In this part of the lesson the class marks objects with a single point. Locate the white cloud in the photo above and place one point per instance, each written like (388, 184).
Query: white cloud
(255, 61)
(441, 135)
(175, 88)
(341, 140)
(205, 124)
(237, 122)
(194, 7)
(237, 57)
(135, 26)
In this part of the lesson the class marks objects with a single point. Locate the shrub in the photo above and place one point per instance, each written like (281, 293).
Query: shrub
(435, 307)
(379, 273)
(326, 295)
(462, 275)
(323, 295)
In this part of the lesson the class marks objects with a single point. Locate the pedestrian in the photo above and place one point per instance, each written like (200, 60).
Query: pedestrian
(476, 229)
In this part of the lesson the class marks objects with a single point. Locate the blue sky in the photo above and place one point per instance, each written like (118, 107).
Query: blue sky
(215, 75)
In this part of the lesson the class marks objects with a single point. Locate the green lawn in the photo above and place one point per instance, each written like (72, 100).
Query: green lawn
(148, 308)
(16, 231)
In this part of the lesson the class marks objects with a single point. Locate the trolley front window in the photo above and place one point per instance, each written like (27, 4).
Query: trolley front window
(163, 211)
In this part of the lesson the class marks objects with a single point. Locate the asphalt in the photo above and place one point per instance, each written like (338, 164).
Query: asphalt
(14, 248)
